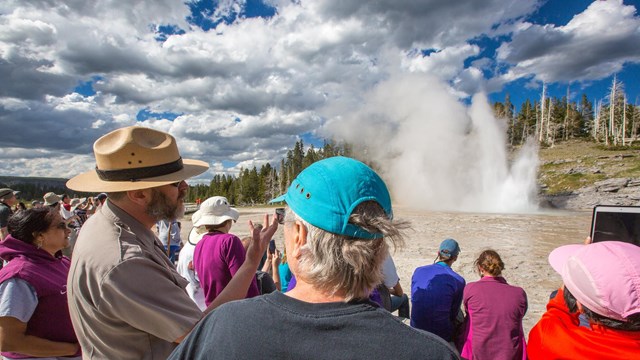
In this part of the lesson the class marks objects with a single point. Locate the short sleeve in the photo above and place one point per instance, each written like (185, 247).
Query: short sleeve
(235, 254)
(18, 299)
(389, 272)
(148, 297)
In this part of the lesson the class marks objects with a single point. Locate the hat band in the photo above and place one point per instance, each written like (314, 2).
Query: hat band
(140, 173)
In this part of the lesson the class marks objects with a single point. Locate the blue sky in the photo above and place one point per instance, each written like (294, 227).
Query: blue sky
(559, 13)
(239, 82)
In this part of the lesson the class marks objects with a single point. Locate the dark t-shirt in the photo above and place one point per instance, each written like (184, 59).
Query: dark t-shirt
(5, 213)
(292, 329)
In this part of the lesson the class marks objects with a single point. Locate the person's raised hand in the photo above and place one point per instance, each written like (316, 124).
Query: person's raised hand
(260, 238)
(276, 258)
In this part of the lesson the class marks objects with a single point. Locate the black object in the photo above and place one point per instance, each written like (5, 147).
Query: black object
(272, 246)
(280, 215)
(617, 223)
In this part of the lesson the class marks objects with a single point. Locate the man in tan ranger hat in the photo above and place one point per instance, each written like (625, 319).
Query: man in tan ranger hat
(126, 299)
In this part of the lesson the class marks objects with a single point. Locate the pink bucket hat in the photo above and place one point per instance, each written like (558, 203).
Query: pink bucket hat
(604, 276)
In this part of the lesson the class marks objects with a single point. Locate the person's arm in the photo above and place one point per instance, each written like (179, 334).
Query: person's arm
(266, 267)
(456, 304)
(396, 289)
(275, 269)
(237, 287)
(3, 233)
(234, 257)
(240, 282)
(13, 338)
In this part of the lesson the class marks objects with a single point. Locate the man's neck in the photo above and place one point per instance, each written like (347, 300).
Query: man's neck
(307, 293)
(134, 211)
(446, 262)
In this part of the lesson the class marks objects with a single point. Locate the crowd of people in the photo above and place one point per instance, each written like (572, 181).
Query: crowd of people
(129, 292)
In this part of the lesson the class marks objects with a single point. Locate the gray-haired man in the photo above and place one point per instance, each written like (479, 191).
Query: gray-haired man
(336, 231)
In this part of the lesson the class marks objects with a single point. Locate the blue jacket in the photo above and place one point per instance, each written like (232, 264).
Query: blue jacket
(436, 296)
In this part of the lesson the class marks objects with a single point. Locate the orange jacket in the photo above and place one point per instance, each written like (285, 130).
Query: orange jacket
(559, 335)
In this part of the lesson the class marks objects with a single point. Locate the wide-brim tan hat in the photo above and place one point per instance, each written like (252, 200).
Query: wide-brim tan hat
(133, 158)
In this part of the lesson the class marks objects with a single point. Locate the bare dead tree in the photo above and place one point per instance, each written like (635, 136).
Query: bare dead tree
(624, 119)
(542, 103)
(612, 109)
(549, 135)
(565, 135)
(596, 125)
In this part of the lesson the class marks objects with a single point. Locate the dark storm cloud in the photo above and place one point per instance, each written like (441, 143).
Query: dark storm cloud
(42, 127)
(24, 79)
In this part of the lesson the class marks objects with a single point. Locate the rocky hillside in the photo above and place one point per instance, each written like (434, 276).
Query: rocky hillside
(578, 175)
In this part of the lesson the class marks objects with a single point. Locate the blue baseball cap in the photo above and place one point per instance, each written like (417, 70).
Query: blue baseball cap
(449, 248)
(325, 194)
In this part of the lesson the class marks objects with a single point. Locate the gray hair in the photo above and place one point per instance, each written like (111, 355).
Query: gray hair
(338, 264)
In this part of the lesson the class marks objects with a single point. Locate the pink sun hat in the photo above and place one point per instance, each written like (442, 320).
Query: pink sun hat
(603, 276)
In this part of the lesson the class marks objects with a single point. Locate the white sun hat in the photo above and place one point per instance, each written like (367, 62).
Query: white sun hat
(216, 210)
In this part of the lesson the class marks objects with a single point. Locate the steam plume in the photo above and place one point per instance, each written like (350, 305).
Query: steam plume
(436, 153)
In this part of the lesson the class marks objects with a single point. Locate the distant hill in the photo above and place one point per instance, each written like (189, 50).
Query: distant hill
(570, 165)
(33, 188)
(580, 174)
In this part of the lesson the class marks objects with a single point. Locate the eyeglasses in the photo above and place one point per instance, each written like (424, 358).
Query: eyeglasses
(62, 225)
(177, 184)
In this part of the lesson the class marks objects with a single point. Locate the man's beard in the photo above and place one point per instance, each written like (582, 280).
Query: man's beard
(161, 208)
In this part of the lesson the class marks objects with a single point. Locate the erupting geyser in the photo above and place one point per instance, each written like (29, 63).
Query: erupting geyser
(436, 153)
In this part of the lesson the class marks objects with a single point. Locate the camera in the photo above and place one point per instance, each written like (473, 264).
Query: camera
(617, 223)
(272, 246)
(280, 215)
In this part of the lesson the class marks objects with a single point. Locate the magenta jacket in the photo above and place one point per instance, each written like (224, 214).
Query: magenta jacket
(493, 325)
(48, 276)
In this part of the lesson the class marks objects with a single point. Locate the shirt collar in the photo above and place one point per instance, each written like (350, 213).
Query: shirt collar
(125, 220)
(499, 279)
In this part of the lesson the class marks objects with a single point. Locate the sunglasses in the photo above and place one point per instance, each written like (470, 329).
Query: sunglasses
(177, 184)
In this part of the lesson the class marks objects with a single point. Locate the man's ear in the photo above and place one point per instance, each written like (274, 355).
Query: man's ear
(140, 197)
(299, 237)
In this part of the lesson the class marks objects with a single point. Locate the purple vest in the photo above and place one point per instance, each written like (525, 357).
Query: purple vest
(48, 276)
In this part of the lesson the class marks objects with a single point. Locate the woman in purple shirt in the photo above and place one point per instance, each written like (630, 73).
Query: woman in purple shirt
(493, 324)
(219, 255)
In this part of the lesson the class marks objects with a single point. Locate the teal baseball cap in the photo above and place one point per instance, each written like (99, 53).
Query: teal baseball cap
(326, 193)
